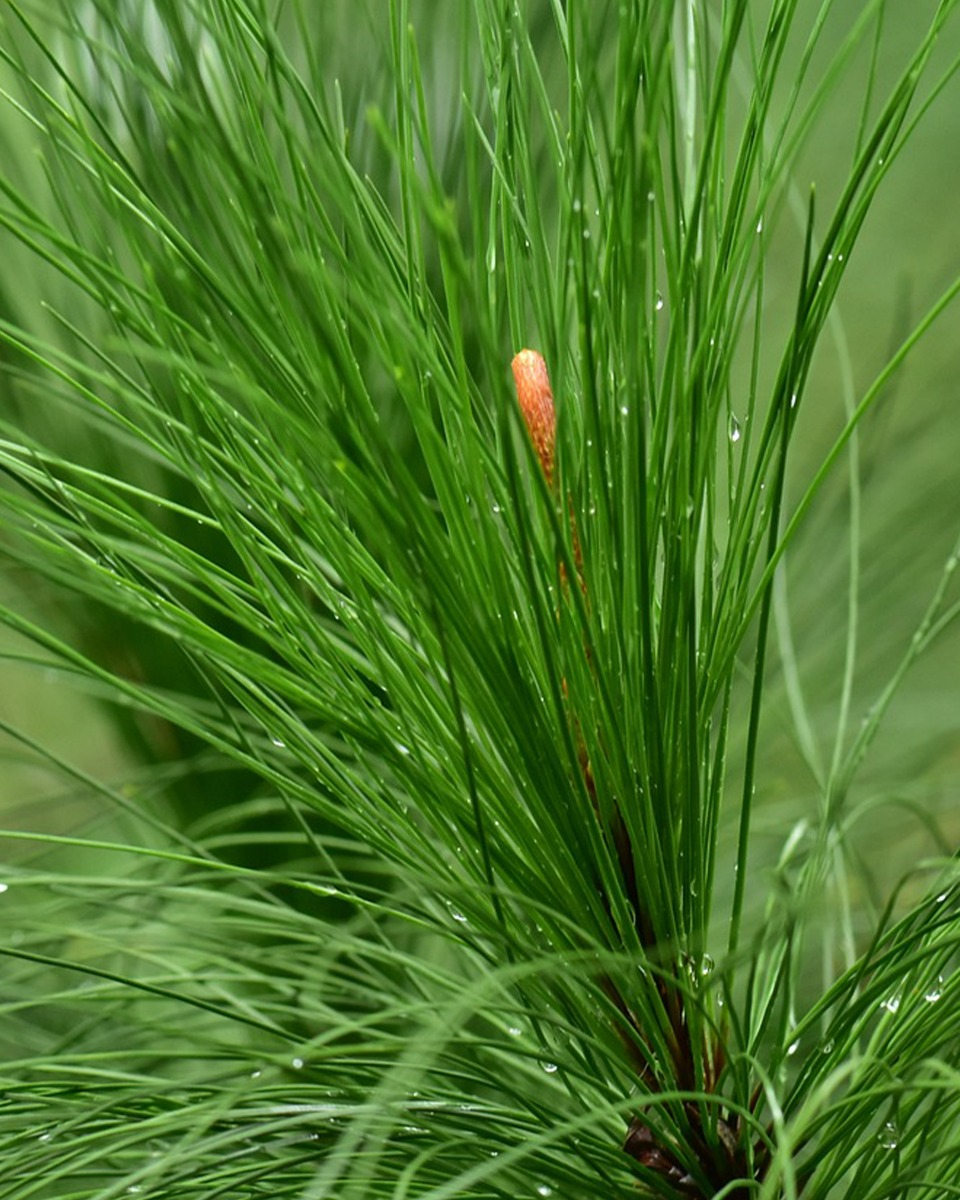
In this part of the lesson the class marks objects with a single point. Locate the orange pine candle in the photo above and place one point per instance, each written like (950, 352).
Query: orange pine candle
(536, 403)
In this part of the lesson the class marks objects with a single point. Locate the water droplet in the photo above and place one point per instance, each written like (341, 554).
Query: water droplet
(544, 1189)
(577, 205)
(941, 897)
(659, 303)
(624, 410)
(551, 1068)
(256, 1074)
(496, 508)
(3, 888)
(760, 225)
(892, 1003)
(828, 1047)
(793, 400)
(793, 1047)
(934, 994)
(296, 1063)
(736, 430)
(515, 1031)
(458, 916)
(281, 745)
(889, 1136)
(134, 1189)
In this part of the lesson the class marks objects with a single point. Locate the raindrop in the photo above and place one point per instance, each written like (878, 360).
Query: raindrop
(515, 1031)
(736, 430)
(793, 1048)
(296, 1063)
(551, 1068)
(760, 225)
(624, 410)
(458, 916)
(3, 888)
(281, 745)
(544, 1189)
(941, 898)
(659, 303)
(828, 1047)
(935, 992)
(706, 965)
(892, 1003)
(496, 508)
(256, 1074)
(889, 1136)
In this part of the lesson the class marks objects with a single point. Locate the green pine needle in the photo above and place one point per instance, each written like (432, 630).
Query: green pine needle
(480, 832)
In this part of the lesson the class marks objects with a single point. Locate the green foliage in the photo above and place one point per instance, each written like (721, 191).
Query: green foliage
(420, 884)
